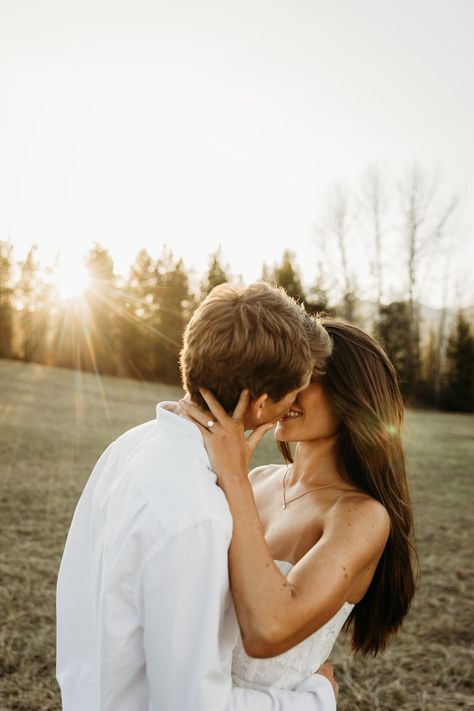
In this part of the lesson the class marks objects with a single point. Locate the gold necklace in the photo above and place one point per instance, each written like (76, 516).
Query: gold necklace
(286, 502)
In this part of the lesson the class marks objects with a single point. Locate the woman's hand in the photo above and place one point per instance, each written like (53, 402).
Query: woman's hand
(224, 437)
(328, 671)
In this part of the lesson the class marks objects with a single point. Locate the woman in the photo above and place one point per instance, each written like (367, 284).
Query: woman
(325, 540)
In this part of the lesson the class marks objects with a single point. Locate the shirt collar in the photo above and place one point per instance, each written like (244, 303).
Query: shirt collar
(176, 425)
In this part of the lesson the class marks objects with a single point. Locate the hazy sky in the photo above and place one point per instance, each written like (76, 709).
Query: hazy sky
(210, 122)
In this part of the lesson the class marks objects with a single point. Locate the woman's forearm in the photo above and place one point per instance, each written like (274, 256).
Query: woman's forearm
(271, 610)
(263, 597)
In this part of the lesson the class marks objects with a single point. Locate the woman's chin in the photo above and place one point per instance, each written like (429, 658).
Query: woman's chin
(281, 433)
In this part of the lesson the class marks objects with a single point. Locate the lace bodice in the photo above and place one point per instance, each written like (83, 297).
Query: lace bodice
(288, 670)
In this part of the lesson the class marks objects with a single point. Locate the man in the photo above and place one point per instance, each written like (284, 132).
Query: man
(145, 617)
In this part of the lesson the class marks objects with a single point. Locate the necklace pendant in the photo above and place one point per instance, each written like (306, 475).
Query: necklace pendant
(284, 506)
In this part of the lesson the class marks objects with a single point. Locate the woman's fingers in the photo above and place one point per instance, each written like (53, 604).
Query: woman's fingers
(214, 405)
(242, 405)
(218, 411)
(224, 436)
(201, 417)
(196, 414)
(190, 417)
(254, 438)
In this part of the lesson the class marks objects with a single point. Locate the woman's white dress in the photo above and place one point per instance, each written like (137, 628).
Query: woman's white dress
(288, 670)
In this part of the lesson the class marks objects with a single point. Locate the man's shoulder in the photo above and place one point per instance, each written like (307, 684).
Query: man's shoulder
(170, 475)
(131, 442)
(135, 434)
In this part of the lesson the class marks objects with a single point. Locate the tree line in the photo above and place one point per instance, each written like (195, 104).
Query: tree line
(132, 326)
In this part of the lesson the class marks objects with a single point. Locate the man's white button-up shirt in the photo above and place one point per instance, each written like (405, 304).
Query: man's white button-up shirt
(145, 619)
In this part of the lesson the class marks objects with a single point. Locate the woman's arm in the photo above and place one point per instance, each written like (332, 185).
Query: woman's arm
(275, 612)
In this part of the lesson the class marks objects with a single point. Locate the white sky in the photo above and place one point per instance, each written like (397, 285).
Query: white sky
(212, 122)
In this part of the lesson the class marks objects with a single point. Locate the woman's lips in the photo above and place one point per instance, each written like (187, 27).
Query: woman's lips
(291, 415)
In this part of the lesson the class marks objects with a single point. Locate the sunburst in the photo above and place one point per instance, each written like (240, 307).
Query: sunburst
(70, 279)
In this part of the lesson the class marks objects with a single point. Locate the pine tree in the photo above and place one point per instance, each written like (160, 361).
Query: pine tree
(458, 391)
(393, 329)
(286, 274)
(100, 323)
(217, 273)
(139, 319)
(6, 295)
(317, 300)
(34, 296)
(174, 302)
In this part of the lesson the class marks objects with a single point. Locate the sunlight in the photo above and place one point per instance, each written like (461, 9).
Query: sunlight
(70, 280)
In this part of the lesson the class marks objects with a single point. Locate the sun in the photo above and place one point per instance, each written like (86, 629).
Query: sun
(70, 279)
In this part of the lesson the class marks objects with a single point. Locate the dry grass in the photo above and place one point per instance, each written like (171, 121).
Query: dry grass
(53, 425)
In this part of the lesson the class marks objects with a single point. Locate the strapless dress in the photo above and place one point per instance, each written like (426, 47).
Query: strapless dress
(290, 669)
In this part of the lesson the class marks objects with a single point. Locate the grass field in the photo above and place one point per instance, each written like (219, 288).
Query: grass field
(54, 424)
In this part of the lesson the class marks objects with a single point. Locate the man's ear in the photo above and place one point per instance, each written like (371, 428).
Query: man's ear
(257, 406)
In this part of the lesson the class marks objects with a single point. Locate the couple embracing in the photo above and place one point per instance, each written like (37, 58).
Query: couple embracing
(188, 585)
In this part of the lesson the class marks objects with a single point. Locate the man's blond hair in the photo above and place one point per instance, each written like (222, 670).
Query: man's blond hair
(254, 337)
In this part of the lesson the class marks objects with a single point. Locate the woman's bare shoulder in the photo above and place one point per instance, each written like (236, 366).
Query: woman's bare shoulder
(363, 511)
(360, 504)
(264, 472)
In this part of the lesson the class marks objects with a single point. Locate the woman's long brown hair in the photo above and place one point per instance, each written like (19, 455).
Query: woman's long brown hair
(361, 385)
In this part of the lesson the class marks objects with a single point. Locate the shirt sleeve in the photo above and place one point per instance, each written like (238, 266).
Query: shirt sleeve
(187, 632)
